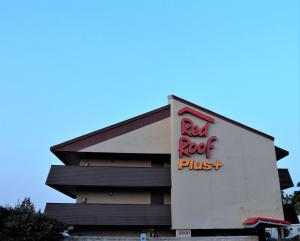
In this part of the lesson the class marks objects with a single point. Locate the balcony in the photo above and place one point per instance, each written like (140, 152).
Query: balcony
(110, 214)
(68, 179)
(285, 179)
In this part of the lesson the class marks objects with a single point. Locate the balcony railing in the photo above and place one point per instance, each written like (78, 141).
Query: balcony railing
(69, 178)
(110, 214)
(285, 179)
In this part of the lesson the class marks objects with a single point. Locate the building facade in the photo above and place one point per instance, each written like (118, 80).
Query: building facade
(180, 170)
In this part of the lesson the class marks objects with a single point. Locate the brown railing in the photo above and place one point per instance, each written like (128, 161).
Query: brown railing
(110, 214)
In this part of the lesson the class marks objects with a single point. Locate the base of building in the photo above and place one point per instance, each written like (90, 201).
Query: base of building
(211, 238)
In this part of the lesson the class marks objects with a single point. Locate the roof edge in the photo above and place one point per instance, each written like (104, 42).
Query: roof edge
(280, 153)
(57, 188)
(221, 117)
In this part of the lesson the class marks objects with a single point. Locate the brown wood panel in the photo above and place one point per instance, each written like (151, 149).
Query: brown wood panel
(285, 179)
(68, 179)
(110, 214)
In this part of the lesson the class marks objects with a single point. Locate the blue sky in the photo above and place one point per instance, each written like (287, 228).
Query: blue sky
(71, 67)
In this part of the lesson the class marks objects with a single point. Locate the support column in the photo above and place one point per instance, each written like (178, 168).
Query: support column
(261, 234)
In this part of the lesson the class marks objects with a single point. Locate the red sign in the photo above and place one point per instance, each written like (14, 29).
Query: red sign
(187, 147)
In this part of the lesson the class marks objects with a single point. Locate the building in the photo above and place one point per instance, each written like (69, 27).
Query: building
(180, 170)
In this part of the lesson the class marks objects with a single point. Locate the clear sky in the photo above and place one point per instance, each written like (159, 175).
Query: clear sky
(71, 67)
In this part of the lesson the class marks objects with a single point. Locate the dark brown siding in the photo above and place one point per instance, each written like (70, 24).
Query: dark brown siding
(285, 179)
(280, 153)
(70, 178)
(290, 213)
(107, 214)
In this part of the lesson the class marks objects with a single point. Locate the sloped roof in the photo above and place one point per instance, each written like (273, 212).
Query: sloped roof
(81, 142)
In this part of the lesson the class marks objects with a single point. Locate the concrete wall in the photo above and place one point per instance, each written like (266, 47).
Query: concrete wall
(115, 163)
(115, 197)
(247, 185)
(153, 138)
(119, 197)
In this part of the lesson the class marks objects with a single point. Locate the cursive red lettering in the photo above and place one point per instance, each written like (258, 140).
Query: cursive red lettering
(184, 143)
(204, 130)
(210, 146)
(201, 148)
(186, 126)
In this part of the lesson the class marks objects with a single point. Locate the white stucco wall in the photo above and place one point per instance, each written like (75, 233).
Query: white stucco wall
(153, 138)
(117, 197)
(115, 163)
(246, 186)
(114, 197)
